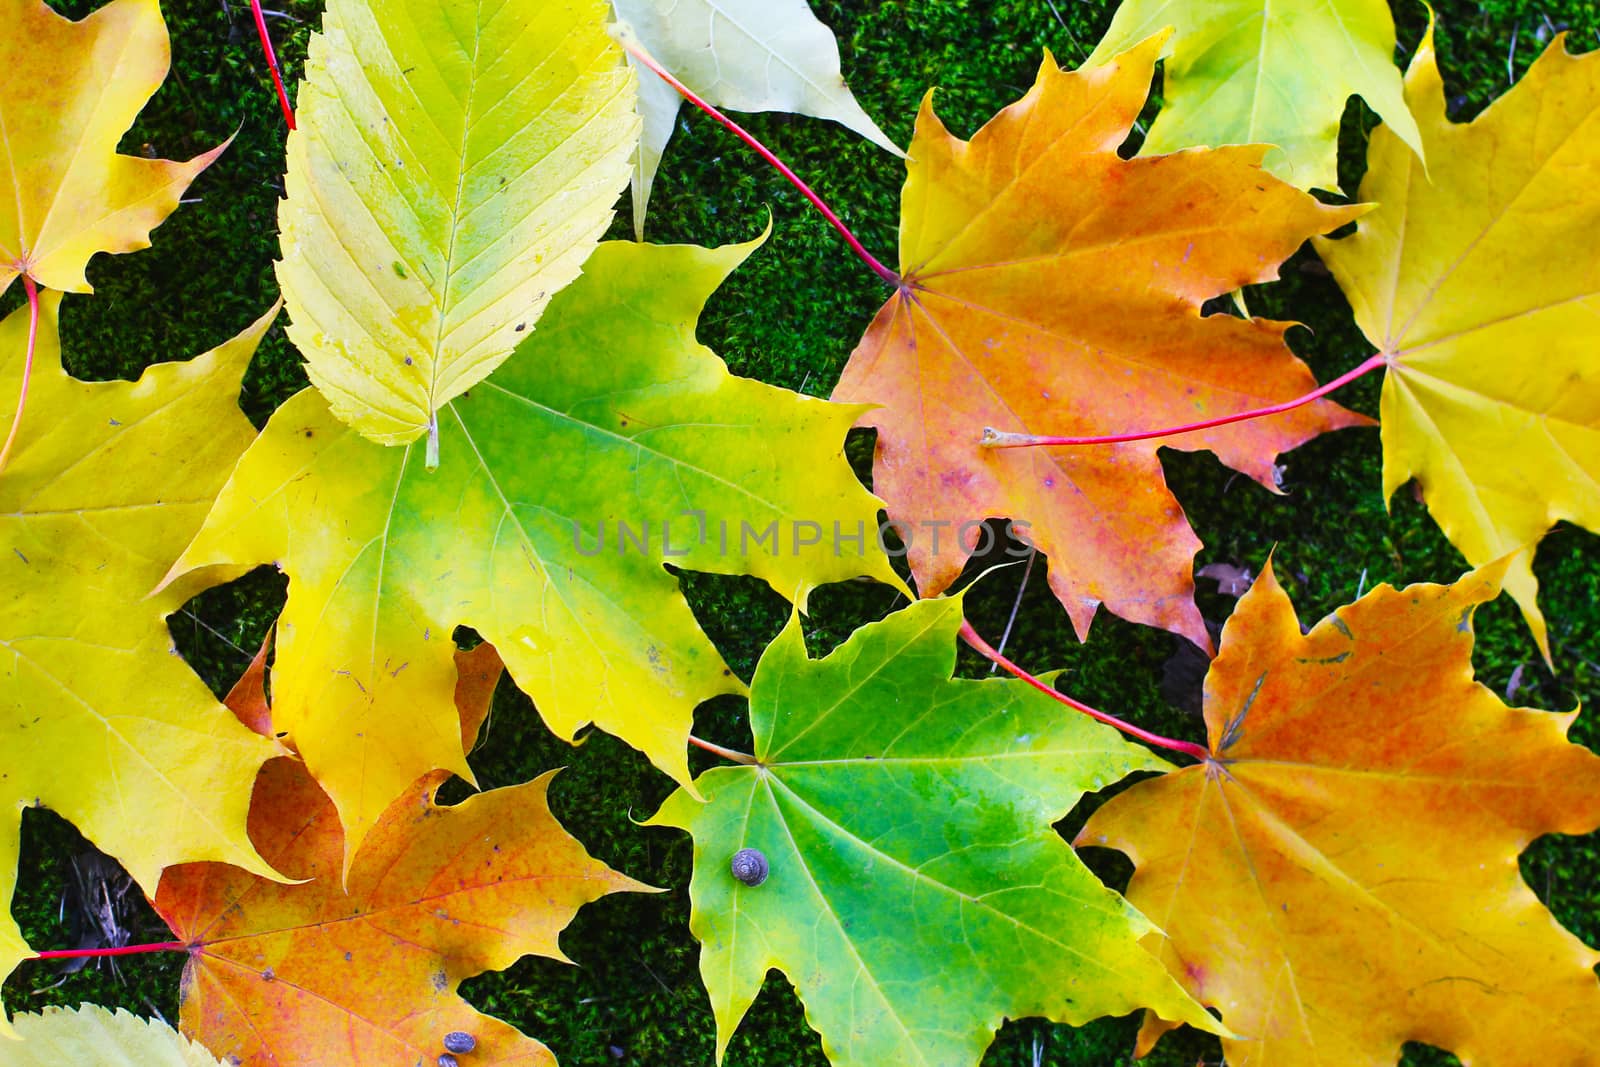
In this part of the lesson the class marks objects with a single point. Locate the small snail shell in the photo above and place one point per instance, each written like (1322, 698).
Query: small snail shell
(459, 1041)
(749, 866)
(447, 1060)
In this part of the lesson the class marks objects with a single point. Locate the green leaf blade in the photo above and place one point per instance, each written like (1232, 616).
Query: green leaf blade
(1248, 73)
(611, 415)
(453, 167)
(918, 894)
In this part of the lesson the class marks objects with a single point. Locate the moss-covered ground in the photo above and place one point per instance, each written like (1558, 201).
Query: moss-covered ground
(791, 316)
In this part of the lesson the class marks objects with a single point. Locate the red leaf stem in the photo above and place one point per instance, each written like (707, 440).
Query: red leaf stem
(767, 154)
(27, 368)
(124, 950)
(993, 438)
(726, 753)
(970, 636)
(272, 61)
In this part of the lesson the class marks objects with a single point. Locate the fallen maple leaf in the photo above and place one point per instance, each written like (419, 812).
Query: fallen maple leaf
(916, 893)
(1232, 579)
(68, 92)
(451, 169)
(99, 718)
(312, 974)
(1341, 877)
(1051, 287)
(610, 415)
(1243, 72)
(748, 55)
(1479, 284)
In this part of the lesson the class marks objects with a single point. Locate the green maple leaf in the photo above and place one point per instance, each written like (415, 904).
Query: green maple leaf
(1241, 72)
(917, 893)
(611, 413)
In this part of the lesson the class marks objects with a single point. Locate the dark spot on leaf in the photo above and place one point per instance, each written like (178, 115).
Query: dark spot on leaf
(521, 326)
(441, 981)
(267, 975)
(1236, 726)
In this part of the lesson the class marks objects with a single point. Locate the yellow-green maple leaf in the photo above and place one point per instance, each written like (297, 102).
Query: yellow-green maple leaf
(1480, 284)
(99, 718)
(610, 414)
(68, 92)
(1246, 72)
(455, 164)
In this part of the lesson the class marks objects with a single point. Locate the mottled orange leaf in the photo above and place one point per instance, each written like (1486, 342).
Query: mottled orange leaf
(1051, 287)
(309, 974)
(68, 92)
(1341, 877)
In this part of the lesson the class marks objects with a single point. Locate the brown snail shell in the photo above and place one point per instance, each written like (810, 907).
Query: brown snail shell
(749, 866)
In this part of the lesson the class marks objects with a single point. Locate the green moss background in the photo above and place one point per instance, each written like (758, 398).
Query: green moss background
(791, 316)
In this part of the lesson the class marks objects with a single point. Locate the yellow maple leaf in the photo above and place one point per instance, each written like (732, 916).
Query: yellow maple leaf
(1478, 281)
(68, 92)
(99, 718)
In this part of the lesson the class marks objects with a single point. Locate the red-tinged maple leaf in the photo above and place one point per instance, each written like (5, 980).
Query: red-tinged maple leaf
(1051, 287)
(1341, 876)
(312, 974)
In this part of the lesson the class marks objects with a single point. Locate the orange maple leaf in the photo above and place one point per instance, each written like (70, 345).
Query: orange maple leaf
(310, 973)
(1341, 877)
(1051, 287)
(68, 92)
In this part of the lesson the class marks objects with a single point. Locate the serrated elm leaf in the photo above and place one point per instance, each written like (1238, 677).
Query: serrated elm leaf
(90, 1035)
(453, 166)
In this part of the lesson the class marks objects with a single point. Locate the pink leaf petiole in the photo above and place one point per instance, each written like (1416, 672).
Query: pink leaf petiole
(993, 438)
(767, 154)
(726, 753)
(124, 950)
(27, 368)
(272, 61)
(970, 636)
